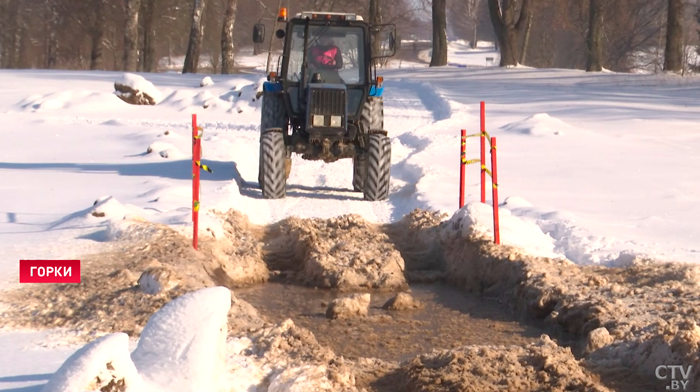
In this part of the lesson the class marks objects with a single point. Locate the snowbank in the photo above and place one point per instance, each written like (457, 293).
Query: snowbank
(103, 363)
(476, 218)
(541, 124)
(136, 89)
(182, 348)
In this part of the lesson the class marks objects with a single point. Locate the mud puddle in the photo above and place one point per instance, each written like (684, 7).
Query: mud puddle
(449, 319)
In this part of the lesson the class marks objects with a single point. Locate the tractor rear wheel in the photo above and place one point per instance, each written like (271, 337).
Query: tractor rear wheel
(377, 181)
(359, 171)
(273, 115)
(273, 173)
(373, 119)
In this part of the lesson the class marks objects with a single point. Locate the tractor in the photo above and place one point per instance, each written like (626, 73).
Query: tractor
(326, 112)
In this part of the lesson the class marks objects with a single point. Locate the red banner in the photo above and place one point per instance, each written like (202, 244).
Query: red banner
(49, 271)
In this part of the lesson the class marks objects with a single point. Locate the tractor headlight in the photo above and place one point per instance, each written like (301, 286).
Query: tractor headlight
(336, 121)
(318, 120)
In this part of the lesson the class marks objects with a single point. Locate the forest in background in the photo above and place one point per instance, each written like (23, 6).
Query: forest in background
(147, 35)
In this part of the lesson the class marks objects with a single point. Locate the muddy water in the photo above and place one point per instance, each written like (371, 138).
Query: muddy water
(450, 318)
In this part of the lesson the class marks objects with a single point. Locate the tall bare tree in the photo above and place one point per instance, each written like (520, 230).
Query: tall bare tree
(195, 41)
(594, 41)
(147, 62)
(97, 32)
(526, 40)
(18, 37)
(53, 19)
(509, 19)
(673, 57)
(227, 55)
(473, 14)
(439, 56)
(131, 34)
(4, 36)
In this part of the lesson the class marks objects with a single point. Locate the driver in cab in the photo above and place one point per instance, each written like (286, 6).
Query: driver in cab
(325, 58)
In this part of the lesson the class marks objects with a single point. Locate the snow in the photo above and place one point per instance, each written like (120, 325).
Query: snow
(182, 347)
(29, 362)
(540, 124)
(95, 360)
(597, 168)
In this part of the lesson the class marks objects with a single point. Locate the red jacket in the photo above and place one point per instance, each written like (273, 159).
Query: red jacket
(328, 57)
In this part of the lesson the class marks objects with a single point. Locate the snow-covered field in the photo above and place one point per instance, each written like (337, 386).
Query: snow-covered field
(595, 168)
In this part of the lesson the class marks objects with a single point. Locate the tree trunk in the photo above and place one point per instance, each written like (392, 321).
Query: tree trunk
(148, 55)
(18, 39)
(195, 42)
(97, 33)
(131, 34)
(227, 58)
(509, 22)
(439, 57)
(526, 40)
(375, 18)
(52, 26)
(475, 42)
(4, 39)
(594, 42)
(673, 58)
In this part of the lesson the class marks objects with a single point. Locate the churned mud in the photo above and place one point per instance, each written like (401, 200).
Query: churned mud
(483, 307)
(345, 253)
(449, 318)
(120, 290)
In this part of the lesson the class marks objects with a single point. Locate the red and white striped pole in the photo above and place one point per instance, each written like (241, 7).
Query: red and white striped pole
(195, 181)
(462, 166)
(494, 182)
(483, 152)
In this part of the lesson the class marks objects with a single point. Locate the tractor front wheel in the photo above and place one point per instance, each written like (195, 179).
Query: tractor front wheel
(377, 181)
(273, 168)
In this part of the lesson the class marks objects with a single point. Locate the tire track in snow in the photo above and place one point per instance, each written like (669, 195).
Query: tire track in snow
(405, 176)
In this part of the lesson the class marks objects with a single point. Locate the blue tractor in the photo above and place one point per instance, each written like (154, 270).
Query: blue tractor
(325, 100)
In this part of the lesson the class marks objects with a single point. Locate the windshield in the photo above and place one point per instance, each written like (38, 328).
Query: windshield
(332, 49)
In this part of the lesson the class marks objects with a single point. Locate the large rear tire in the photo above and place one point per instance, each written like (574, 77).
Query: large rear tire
(373, 119)
(272, 165)
(359, 171)
(378, 179)
(273, 115)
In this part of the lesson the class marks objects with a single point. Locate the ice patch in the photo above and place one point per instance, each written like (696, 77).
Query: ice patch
(540, 124)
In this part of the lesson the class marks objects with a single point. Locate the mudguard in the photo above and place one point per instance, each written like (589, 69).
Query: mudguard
(376, 92)
(272, 87)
